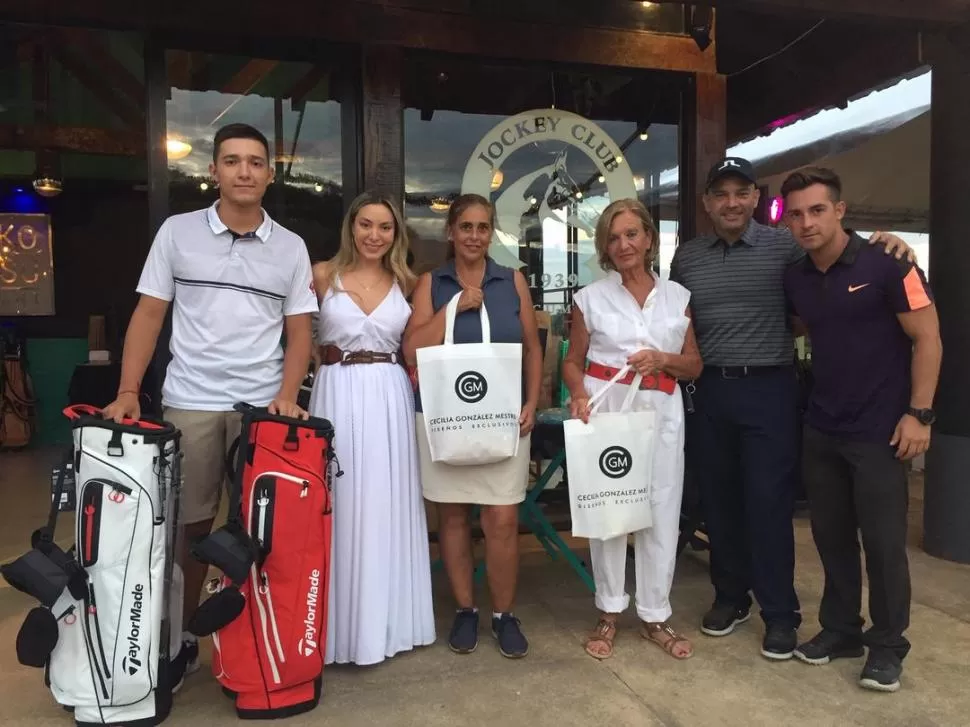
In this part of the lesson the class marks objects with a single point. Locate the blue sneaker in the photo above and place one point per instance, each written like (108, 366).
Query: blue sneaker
(511, 641)
(464, 631)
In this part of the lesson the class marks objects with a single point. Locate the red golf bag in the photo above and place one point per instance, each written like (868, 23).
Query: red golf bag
(268, 619)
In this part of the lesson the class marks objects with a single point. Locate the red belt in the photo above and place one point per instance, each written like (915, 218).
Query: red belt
(655, 382)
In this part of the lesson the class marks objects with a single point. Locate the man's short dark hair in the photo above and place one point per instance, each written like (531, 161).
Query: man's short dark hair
(238, 131)
(810, 176)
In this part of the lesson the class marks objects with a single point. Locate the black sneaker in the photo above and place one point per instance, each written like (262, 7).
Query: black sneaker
(464, 631)
(723, 617)
(779, 642)
(828, 645)
(511, 642)
(881, 672)
(185, 663)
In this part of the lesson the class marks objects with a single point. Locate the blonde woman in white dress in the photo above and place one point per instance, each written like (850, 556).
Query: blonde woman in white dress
(633, 317)
(380, 587)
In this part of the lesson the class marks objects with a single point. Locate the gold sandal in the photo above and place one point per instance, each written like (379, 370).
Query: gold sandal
(604, 633)
(650, 630)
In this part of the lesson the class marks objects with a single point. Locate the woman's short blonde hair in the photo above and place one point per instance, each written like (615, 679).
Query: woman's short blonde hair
(606, 222)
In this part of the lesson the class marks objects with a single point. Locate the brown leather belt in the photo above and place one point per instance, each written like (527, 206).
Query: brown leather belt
(330, 355)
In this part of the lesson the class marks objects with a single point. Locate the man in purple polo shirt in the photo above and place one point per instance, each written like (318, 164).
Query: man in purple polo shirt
(875, 359)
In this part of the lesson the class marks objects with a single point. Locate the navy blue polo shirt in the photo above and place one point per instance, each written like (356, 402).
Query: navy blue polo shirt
(861, 356)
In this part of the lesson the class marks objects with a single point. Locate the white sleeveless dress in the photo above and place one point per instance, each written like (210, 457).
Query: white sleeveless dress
(380, 585)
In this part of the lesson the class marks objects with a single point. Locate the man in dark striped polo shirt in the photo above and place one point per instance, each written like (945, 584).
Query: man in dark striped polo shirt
(876, 354)
(742, 439)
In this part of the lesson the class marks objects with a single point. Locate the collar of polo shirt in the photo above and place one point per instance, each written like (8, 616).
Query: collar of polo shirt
(262, 232)
(849, 254)
(749, 236)
(491, 271)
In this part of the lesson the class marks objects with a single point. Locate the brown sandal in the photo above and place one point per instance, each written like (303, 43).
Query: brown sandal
(604, 633)
(650, 630)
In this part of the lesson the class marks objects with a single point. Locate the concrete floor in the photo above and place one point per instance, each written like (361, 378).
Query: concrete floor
(726, 683)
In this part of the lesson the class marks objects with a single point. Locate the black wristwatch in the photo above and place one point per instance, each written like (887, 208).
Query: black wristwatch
(923, 416)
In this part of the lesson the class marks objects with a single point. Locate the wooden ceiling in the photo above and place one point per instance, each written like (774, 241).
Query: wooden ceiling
(782, 57)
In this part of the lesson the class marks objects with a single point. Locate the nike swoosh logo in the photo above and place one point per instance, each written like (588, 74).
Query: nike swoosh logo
(854, 288)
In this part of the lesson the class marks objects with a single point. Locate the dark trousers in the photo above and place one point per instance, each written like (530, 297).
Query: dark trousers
(742, 446)
(860, 487)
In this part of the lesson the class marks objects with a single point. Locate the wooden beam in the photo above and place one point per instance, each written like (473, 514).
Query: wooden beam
(249, 75)
(932, 11)
(708, 142)
(99, 86)
(305, 85)
(115, 72)
(361, 22)
(383, 121)
(72, 138)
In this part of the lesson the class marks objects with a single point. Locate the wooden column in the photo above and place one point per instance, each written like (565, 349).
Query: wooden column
(157, 91)
(704, 142)
(946, 511)
(383, 120)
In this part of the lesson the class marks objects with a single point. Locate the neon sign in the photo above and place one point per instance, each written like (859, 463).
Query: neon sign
(26, 265)
(776, 210)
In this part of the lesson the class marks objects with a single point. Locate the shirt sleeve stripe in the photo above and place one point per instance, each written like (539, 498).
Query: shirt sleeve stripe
(916, 295)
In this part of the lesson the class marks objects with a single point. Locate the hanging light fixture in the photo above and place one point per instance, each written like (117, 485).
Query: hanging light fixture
(497, 179)
(440, 204)
(48, 186)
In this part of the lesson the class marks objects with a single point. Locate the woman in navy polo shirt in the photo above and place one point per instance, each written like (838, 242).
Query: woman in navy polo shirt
(498, 487)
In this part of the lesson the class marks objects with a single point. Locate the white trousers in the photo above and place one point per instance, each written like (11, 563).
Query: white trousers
(655, 549)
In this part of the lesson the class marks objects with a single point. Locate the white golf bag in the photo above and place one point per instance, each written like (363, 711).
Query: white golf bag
(109, 623)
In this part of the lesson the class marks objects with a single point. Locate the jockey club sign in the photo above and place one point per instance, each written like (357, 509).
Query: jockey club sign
(571, 132)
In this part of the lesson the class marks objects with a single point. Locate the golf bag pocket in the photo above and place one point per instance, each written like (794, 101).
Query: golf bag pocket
(217, 612)
(230, 549)
(37, 637)
(35, 574)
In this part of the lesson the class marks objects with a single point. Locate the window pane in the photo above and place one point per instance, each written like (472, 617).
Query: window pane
(556, 150)
(292, 104)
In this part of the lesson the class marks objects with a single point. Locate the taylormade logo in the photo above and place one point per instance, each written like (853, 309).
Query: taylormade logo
(308, 644)
(132, 662)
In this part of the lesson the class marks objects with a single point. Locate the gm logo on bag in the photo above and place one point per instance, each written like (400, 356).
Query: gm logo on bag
(471, 387)
(615, 462)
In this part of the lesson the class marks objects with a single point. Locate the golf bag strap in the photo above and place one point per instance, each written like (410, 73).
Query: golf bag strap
(233, 468)
(236, 462)
(47, 532)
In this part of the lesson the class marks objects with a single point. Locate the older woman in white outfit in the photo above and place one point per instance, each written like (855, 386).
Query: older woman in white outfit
(633, 317)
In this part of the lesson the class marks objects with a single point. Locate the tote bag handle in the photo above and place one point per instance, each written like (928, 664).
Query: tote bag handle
(597, 399)
(451, 312)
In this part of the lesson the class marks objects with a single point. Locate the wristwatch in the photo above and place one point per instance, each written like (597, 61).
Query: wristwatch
(923, 416)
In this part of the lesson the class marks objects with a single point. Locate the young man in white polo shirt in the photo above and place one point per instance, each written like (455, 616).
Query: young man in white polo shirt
(238, 280)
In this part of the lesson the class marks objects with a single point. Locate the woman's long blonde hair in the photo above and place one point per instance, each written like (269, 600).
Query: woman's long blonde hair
(395, 259)
(605, 223)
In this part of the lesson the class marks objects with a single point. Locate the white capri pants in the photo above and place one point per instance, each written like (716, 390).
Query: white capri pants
(655, 548)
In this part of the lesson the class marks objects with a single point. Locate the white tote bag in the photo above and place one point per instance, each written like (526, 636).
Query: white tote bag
(471, 394)
(610, 462)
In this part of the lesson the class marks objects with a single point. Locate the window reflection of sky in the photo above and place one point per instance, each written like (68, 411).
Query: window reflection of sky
(436, 153)
(195, 116)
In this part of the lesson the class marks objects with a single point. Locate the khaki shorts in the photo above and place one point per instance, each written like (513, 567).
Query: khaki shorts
(206, 438)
